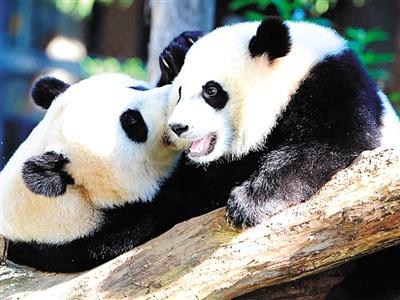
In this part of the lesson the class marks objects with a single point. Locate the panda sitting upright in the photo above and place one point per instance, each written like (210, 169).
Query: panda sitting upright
(287, 102)
(74, 194)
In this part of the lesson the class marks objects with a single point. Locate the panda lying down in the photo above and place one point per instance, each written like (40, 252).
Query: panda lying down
(270, 110)
(73, 194)
(290, 97)
(295, 102)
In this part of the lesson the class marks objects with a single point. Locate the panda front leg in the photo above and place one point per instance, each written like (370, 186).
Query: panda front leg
(172, 58)
(286, 177)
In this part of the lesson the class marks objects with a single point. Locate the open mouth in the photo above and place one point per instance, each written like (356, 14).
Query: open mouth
(203, 146)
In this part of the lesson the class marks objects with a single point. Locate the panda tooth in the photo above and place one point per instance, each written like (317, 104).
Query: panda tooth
(190, 40)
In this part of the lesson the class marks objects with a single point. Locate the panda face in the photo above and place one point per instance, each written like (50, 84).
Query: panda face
(114, 134)
(100, 144)
(237, 80)
(207, 95)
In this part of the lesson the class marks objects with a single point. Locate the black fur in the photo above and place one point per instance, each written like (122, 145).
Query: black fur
(174, 55)
(134, 126)
(123, 229)
(333, 117)
(190, 192)
(45, 175)
(217, 101)
(272, 38)
(139, 88)
(46, 89)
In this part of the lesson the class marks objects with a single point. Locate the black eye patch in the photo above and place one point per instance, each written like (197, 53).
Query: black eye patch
(214, 95)
(134, 126)
(139, 88)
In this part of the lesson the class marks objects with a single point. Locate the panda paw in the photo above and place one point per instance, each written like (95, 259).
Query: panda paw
(242, 211)
(45, 175)
(172, 58)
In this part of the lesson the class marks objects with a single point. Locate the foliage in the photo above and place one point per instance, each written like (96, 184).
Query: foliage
(133, 67)
(395, 97)
(80, 9)
(311, 10)
(360, 40)
(290, 10)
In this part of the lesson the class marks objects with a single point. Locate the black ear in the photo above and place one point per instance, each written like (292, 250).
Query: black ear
(272, 38)
(46, 89)
(45, 175)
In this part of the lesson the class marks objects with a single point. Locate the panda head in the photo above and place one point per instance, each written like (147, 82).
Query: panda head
(110, 129)
(236, 81)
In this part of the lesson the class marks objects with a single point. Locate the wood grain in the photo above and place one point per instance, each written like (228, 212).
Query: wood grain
(354, 214)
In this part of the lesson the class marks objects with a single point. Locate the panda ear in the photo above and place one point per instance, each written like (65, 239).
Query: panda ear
(272, 38)
(46, 89)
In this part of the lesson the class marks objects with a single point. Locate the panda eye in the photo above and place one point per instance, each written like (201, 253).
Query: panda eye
(210, 90)
(214, 95)
(133, 124)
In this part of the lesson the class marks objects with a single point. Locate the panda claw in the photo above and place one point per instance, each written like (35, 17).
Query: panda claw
(190, 40)
(165, 63)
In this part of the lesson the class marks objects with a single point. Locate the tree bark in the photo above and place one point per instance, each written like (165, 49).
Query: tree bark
(169, 19)
(354, 214)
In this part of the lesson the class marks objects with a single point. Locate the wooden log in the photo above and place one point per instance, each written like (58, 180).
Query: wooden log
(354, 214)
(314, 287)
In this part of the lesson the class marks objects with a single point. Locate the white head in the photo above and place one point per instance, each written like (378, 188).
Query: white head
(108, 134)
(112, 130)
(237, 80)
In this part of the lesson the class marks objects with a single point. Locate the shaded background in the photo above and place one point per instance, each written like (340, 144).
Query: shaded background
(73, 39)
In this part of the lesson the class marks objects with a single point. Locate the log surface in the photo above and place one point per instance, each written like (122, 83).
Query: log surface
(354, 214)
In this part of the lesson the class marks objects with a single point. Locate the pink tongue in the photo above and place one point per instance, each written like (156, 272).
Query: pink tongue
(201, 146)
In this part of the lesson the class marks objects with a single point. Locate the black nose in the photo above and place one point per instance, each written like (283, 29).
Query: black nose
(178, 128)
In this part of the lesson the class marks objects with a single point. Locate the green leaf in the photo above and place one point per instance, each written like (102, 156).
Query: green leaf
(254, 16)
(321, 21)
(263, 4)
(395, 96)
(379, 74)
(133, 67)
(376, 35)
(371, 57)
(357, 47)
(284, 8)
(238, 4)
(125, 3)
(357, 34)
(84, 8)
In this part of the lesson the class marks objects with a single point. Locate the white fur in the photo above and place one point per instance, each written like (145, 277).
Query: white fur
(390, 124)
(258, 90)
(108, 168)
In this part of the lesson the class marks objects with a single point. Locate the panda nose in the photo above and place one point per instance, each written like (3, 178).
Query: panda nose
(178, 128)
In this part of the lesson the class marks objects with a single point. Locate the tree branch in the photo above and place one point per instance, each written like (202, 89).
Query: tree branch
(356, 213)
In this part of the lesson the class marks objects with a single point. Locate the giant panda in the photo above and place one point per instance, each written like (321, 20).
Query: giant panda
(290, 93)
(270, 111)
(77, 192)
